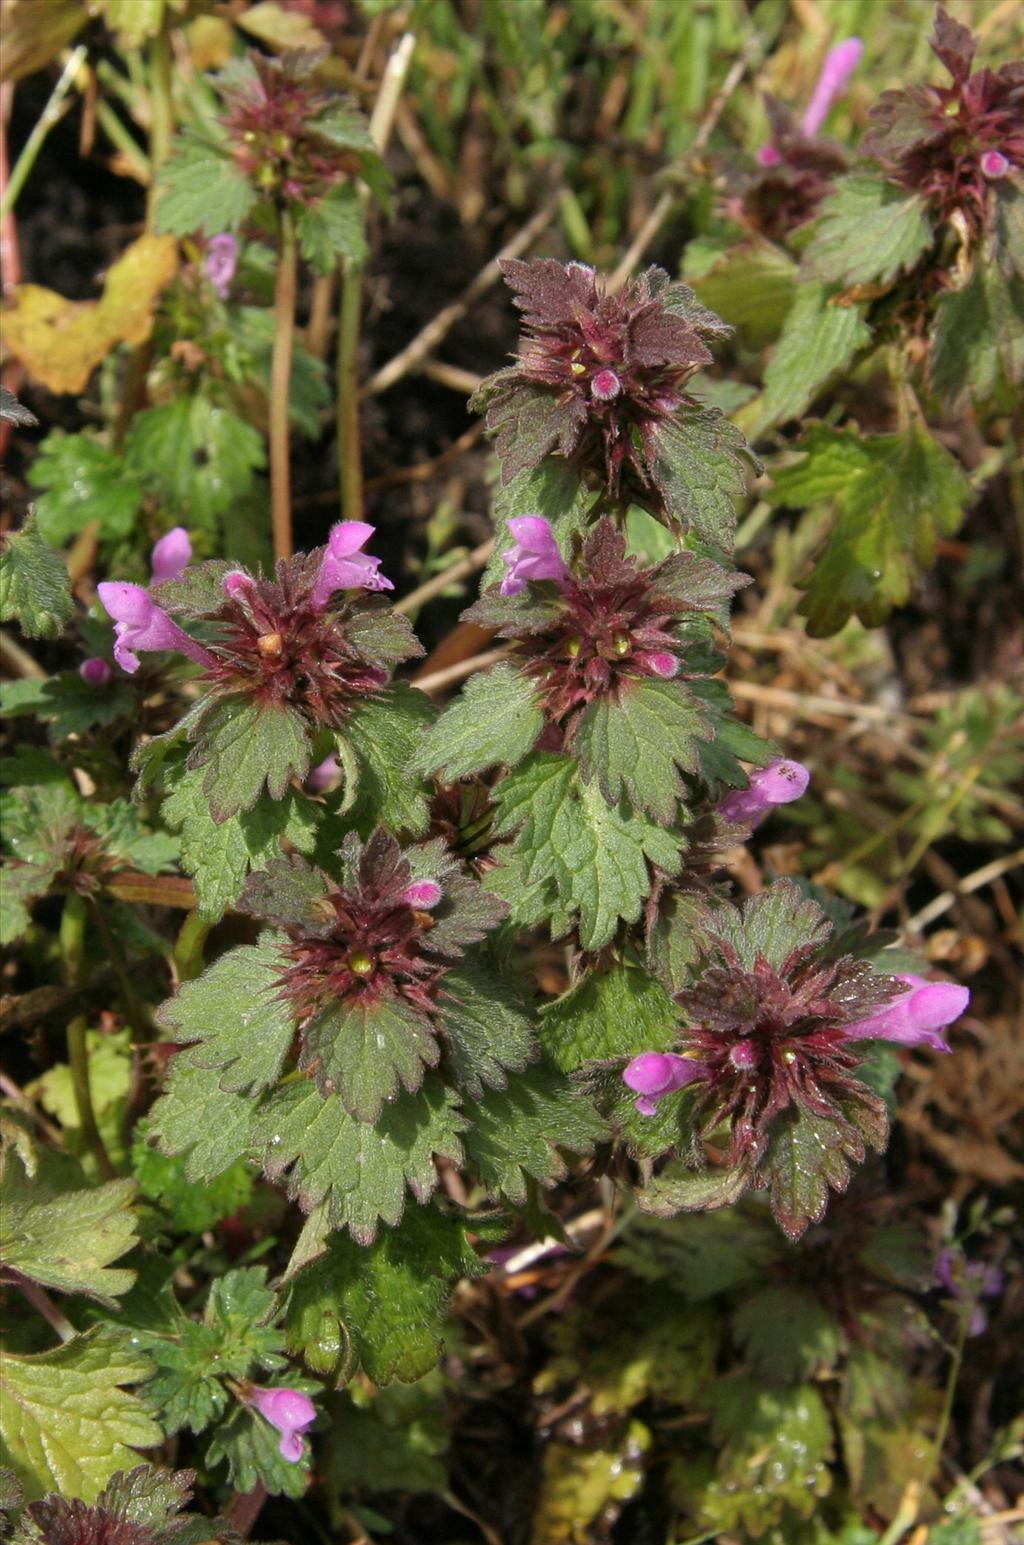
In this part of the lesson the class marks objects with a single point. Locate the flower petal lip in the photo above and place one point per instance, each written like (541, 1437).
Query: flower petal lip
(171, 555)
(291, 1412)
(344, 566)
(777, 784)
(534, 556)
(140, 624)
(994, 164)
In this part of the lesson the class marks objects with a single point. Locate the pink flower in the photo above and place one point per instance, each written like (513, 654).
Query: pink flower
(345, 567)
(291, 1412)
(660, 663)
(422, 894)
(140, 624)
(221, 262)
(171, 556)
(95, 671)
(777, 784)
(534, 556)
(654, 1074)
(324, 775)
(994, 164)
(840, 63)
(769, 155)
(916, 1017)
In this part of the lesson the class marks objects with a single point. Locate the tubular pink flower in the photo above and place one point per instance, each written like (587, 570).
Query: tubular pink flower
(916, 1017)
(171, 556)
(534, 556)
(654, 1074)
(777, 784)
(994, 164)
(141, 624)
(422, 894)
(95, 671)
(345, 567)
(221, 262)
(291, 1412)
(237, 582)
(840, 63)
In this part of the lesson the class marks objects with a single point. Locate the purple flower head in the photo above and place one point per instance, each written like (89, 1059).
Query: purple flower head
(424, 895)
(654, 1074)
(534, 556)
(840, 63)
(221, 262)
(968, 1281)
(95, 671)
(916, 1017)
(345, 566)
(171, 556)
(769, 155)
(139, 624)
(291, 1412)
(777, 784)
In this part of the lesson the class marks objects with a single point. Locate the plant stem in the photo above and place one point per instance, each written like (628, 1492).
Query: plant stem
(51, 114)
(72, 948)
(134, 1012)
(161, 125)
(348, 392)
(188, 947)
(952, 1381)
(40, 1299)
(280, 385)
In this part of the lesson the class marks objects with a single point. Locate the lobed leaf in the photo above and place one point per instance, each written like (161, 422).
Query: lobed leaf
(868, 232)
(35, 590)
(634, 743)
(496, 719)
(519, 1131)
(819, 341)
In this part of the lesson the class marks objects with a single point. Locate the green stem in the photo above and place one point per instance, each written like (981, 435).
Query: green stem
(349, 450)
(72, 949)
(134, 1012)
(161, 123)
(188, 947)
(952, 1381)
(280, 385)
(51, 114)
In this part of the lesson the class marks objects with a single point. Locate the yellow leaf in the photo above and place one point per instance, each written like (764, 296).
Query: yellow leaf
(279, 28)
(34, 34)
(60, 342)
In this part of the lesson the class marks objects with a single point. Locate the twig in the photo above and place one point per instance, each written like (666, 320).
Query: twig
(458, 672)
(51, 114)
(18, 660)
(965, 887)
(803, 704)
(40, 1299)
(452, 376)
(280, 386)
(438, 328)
(440, 582)
(420, 471)
(666, 203)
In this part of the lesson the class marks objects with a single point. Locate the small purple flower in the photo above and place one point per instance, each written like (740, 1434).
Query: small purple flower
(994, 165)
(916, 1017)
(605, 386)
(291, 1412)
(840, 63)
(95, 671)
(968, 1281)
(221, 262)
(654, 1074)
(534, 556)
(422, 894)
(769, 156)
(345, 566)
(171, 556)
(777, 784)
(324, 775)
(140, 624)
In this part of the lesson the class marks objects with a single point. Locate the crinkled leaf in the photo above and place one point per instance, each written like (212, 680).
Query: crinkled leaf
(66, 1422)
(771, 925)
(979, 335)
(807, 1156)
(361, 1170)
(82, 480)
(678, 1189)
(35, 590)
(190, 1208)
(245, 746)
(388, 1302)
(869, 231)
(235, 1013)
(609, 1016)
(701, 470)
(363, 1049)
(787, 1334)
(519, 1131)
(818, 341)
(251, 1449)
(752, 288)
(495, 719)
(675, 937)
(145, 1497)
(69, 705)
(633, 744)
(332, 230)
(385, 735)
(201, 188)
(584, 856)
(487, 1027)
(194, 1116)
(20, 886)
(731, 743)
(198, 458)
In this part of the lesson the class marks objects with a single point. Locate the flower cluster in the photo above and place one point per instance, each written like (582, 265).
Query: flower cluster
(598, 374)
(608, 621)
(954, 144)
(291, 640)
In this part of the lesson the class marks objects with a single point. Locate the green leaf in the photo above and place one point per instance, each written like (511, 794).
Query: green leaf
(245, 746)
(35, 590)
(704, 1254)
(236, 1014)
(201, 188)
(771, 925)
(609, 1016)
(190, 1209)
(495, 719)
(787, 1334)
(145, 1504)
(701, 472)
(633, 744)
(67, 703)
(386, 1302)
(979, 336)
(385, 735)
(675, 938)
(65, 1420)
(394, 1444)
(519, 1131)
(20, 886)
(487, 1028)
(333, 230)
(752, 288)
(586, 857)
(363, 1049)
(199, 459)
(63, 1234)
(731, 743)
(774, 1448)
(83, 480)
(868, 232)
(195, 1116)
(807, 1155)
(893, 496)
(250, 1448)
(678, 1189)
(819, 341)
(362, 1171)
